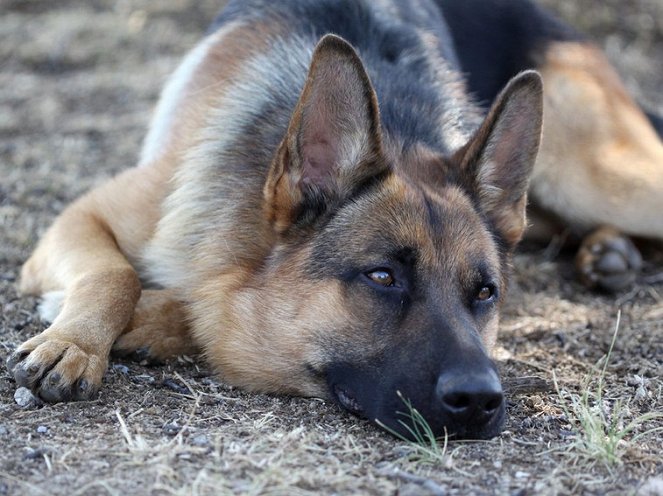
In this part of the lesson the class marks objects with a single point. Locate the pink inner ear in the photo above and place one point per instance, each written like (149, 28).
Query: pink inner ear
(319, 160)
(512, 133)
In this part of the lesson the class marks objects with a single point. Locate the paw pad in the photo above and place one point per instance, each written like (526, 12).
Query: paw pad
(608, 260)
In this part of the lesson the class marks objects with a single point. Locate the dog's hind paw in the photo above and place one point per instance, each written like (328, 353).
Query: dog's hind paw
(56, 370)
(608, 260)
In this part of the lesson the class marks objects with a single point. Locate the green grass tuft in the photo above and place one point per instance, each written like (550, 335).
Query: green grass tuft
(426, 447)
(601, 432)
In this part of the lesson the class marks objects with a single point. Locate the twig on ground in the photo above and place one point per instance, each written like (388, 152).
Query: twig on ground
(527, 385)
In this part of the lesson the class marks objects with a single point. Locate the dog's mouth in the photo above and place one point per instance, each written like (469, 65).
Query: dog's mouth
(347, 400)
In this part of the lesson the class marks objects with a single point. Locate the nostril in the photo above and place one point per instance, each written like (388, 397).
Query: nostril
(472, 403)
(457, 401)
(487, 403)
(492, 404)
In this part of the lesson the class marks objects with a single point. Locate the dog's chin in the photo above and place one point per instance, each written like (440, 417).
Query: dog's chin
(347, 399)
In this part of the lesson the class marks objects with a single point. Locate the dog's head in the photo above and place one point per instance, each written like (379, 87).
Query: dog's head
(385, 283)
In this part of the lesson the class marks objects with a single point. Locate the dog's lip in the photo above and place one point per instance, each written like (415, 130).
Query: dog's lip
(347, 399)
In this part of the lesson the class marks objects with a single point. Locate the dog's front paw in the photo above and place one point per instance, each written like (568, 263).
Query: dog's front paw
(57, 370)
(608, 260)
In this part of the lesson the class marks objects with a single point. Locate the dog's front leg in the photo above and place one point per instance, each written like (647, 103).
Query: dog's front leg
(79, 256)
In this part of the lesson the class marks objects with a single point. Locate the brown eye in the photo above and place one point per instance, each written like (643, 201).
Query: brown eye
(485, 293)
(383, 277)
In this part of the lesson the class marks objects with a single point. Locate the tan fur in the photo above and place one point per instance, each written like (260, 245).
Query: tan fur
(600, 162)
(81, 255)
(226, 50)
(246, 353)
(92, 248)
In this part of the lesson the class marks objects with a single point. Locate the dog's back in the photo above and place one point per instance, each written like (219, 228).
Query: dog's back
(406, 49)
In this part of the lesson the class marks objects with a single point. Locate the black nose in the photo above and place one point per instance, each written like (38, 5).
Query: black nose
(470, 400)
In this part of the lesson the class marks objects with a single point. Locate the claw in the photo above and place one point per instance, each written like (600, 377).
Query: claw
(15, 358)
(54, 378)
(84, 391)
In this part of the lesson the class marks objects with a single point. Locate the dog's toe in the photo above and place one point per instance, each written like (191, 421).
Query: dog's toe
(57, 370)
(15, 359)
(608, 260)
(52, 389)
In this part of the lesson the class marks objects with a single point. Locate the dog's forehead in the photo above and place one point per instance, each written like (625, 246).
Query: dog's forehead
(439, 223)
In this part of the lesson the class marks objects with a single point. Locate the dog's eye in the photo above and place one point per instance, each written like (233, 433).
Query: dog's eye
(383, 277)
(485, 293)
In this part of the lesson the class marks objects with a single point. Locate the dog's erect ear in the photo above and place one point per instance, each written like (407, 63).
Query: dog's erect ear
(332, 146)
(497, 162)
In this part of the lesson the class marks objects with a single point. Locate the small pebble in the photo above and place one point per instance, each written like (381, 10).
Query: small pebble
(200, 440)
(143, 379)
(652, 487)
(3, 430)
(171, 428)
(210, 381)
(34, 453)
(25, 399)
(411, 489)
(42, 429)
(122, 369)
(175, 386)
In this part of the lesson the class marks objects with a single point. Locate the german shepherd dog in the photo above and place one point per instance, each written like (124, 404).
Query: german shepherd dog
(324, 207)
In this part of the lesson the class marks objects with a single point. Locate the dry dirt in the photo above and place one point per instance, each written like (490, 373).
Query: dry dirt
(78, 80)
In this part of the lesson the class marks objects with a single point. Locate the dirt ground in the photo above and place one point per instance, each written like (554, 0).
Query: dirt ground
(78, 79)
